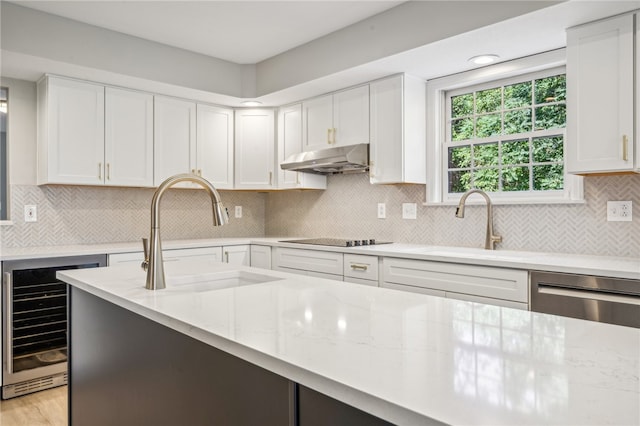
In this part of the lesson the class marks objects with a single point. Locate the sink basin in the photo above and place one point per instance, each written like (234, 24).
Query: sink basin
(214, 281)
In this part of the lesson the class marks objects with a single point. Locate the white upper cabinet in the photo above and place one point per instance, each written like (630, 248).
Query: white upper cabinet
(92, 135)
(128, 138)
(600, 97)
(214, 154)
(70, 132)
(175, 138)
(398, 130)
(289, 143)
(338, 119)
(254, 149)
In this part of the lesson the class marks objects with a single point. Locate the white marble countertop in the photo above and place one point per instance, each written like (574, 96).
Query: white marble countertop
(610, 266)
(405, 357)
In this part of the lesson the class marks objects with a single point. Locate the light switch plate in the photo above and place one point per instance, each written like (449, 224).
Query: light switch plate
(238, 212)
(619, 211)
(409, 211)
(382, 211)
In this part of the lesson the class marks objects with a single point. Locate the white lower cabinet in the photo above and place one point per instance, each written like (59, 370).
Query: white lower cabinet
(361, 269)
(260, 256)
(322, 264)
(237, 255)
(211, 254)
(496, 286)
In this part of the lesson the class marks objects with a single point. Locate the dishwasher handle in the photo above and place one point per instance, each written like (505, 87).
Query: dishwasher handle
(587, 294)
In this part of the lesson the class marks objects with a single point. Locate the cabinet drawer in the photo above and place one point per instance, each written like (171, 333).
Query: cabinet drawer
(497, 283)
(360, 266)
(308, 260)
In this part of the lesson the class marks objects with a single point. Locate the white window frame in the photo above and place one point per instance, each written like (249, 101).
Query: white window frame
(437, 129)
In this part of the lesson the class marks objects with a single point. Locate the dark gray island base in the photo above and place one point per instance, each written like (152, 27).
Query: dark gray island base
(125, 369)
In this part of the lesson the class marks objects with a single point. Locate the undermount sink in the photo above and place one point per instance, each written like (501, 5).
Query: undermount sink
(214, 281)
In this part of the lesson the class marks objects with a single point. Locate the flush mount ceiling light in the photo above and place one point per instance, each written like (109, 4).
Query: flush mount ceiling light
(484, 59)
(251, 103)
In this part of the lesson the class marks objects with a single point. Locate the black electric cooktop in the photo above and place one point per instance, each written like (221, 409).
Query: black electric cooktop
(337, 242)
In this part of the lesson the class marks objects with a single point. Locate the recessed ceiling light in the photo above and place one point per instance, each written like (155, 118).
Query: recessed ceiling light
(484, 59)
(251, 103)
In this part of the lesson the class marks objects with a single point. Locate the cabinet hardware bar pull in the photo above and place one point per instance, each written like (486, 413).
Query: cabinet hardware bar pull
(329, 136)
(333, 136)
(625, 148)
(270, 178)
(99, 171)
(200, 172)
(108, 171)
(356, 266)
(226, 257)
(8, 297)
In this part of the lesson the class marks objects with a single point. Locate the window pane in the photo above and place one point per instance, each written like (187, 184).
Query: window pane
(517, 95)
(551, 89)
(488, 100)
(486, 179)
(548, 177)
(550, 117)
(462, 105)
(460, 157)
(488, 125)
(515, 179)
(485, 154)
(518, 121)
(515, 152)
(548, 149)
(459, 181)
(462, 129)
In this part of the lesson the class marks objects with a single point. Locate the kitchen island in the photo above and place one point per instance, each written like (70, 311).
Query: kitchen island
(363, 354)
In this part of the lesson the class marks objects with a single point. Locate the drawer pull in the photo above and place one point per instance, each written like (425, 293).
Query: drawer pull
(357, 267)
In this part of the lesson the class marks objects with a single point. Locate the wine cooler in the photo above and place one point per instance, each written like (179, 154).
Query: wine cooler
(34, 322)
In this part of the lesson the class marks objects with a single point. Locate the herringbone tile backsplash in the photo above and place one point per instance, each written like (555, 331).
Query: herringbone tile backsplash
(82, 215)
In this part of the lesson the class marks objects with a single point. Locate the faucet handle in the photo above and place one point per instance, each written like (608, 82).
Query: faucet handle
(145, 248)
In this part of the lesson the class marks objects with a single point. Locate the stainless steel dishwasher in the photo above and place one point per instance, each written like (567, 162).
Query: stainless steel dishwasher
(34, 322)
(602, 299)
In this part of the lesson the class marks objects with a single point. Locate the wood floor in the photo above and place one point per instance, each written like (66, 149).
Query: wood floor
(48, 407)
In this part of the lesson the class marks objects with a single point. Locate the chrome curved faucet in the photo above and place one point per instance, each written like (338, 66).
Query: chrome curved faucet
(153, 263)
(490, 239)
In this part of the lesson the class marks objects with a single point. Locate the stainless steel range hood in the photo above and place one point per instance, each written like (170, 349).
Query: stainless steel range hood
(337, 160)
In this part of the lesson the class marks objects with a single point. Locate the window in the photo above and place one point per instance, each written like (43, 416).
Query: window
(508, 137)
(4, 214)
(501, 129)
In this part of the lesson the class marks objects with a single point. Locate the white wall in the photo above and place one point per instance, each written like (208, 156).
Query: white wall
(408, 26)
(21, 131)
(41, 35)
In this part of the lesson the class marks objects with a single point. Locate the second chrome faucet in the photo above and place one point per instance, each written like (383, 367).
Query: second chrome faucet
(490, 239)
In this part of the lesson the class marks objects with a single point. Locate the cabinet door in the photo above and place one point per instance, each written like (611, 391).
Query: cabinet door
(398, 130)
(237, 255)
(175, 138)
(215, 145)
(254, 161)
(71, 143)
(308, 260)
(261, 256)
(317, 123)
(128, 138)
(289, 143)
(600, 96)
(351, 116)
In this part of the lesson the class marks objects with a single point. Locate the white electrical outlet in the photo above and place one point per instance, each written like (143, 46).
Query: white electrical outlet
(619, 211)
(409, 211)
(238, 212)
(382, 211)
(30, 213)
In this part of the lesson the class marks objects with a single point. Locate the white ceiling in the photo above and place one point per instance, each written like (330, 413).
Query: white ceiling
(243, 32)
